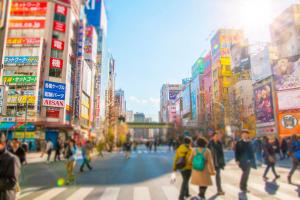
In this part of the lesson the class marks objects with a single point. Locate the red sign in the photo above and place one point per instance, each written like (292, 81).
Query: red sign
(58, 26)
(62, 10)
(56, 63)
(54, 103)
(51, 113)
(26, 24)
(23, 41)
(58, 44)
(28, 8)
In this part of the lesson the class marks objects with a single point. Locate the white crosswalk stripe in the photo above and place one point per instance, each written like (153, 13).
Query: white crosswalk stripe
(110, 193)
(141, 193)
(26, 192)
(81, 193)
(277, 194)
(171, 192)
(50, 194)
(234, 191)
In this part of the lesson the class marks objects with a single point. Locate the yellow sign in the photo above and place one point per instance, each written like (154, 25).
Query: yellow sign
(21, 135)
(12, 100)
(225, 61)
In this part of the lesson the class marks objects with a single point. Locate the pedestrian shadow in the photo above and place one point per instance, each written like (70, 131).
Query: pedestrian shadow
(271, 187)
(243, 196)
(214, 197)
(298, 188)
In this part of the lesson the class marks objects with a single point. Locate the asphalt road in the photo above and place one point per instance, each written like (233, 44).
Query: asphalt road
(145, 176)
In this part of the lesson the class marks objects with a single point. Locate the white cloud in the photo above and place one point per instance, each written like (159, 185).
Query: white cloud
(149, 101)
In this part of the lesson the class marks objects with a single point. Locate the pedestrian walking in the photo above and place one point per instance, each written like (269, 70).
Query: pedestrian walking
(58, 148)
(71, 152)
(49, 149)
(276, 147)
(127, 147)
(43, 147)
(216, 147)
(155, 144)
(258, 150)
(295, 156)
(86, 154)
(270, 158)
(18, 151)
(202, 167)
(10, 169)
(284, 148)
(183, 164)
(244, 157)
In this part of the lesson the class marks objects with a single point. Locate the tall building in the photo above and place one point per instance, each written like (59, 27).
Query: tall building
(120, 103)
(222, 73)
(168, 95)
(139, 117)
(129, 116)
(38, 64)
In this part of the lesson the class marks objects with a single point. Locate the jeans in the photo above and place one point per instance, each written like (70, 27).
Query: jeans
(272, 166)
(245, 176)
(184, 191)
(296, 163)
(85, 162)
(202, 191)
(258, 156)
(57, 155)
(218, 180)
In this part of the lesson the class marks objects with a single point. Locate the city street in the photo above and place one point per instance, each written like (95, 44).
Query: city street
(145, 176)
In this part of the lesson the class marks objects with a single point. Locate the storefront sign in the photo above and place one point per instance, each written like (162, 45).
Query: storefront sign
(62, 10)
(266, 130)
(23, 41)
(26, 24)
(58, 44)
(289, 123)
(56, 63)
(13, 100)
(54, 94)
(19, 79)
(53, 103)
(22, 135)
(24, 60)
(28, 8)
(52, 113)
(58, 26)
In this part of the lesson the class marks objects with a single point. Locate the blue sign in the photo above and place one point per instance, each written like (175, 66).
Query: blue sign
(25, 60)
(53, 90)
(92, 10)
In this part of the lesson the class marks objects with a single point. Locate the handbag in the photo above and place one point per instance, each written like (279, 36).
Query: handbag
(271, 159)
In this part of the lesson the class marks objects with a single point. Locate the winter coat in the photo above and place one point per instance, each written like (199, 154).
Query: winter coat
(183, 151)
(269, 153)
(216, 149)
(203, 178)
(9, 175)
(20, 153)
(244, 154)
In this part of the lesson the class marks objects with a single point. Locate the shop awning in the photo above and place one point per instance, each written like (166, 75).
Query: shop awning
(29, 126)
(7, 125)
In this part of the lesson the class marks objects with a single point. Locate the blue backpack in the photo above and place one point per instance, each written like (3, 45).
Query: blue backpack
(199, 160)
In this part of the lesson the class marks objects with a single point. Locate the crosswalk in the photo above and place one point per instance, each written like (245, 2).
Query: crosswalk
(147, 152)
(159, 192)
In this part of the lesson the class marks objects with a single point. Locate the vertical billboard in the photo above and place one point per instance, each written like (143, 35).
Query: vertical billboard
(287, 73)
(186, 100)
(54, 94)
(92, 10)
(195, 87)
(198, 67)
(264, 108)
(2, 12)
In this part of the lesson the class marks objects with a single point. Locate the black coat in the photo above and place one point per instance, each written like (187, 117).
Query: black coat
(244, 154)
(216, 149)
(269, 152)
(9, 175)
(20, 153)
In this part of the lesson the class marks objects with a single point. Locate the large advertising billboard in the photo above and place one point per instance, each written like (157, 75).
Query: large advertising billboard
(23, 41)
(240, 58)
(54, 94)
(288, 99)
(264, 108)
(287, 73)
(198, 67)
(173, 94)
(92, 10)
(21, 60)
(28, 8)
(186, 100)
(289, 123)
(195, 86)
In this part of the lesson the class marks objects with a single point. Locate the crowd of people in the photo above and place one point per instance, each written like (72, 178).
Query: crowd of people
(201, 159)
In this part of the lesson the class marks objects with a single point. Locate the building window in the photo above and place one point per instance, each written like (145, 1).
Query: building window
(55, 73)
(60, 18)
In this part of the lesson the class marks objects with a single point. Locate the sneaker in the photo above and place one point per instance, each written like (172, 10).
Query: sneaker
(265, 178)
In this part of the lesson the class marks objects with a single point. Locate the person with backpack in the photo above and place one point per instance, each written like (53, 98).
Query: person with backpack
(202, 167)
(245, 159)
(216, 147)
(71, 152)
(181, 162)
(295, 155)
(270, 158)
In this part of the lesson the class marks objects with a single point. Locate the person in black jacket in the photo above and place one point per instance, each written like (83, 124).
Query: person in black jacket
(270, 158)
(244, 157)
(9, 172)
(216, 147)
(18, 151)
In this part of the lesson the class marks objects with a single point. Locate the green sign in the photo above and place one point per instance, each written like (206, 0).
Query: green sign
(198, 67)
(149, 125)
(19, 79)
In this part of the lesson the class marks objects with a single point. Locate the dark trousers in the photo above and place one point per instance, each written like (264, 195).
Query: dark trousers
(184, 191)
(296, 163)
(245, 176)
(57, 155)
(49, 152)
(218, 180)
(85, 162)
(272, 166)
(202, 191)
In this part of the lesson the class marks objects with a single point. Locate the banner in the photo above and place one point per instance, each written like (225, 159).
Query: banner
(52, 113)
(13, 100)
(54, 103)
(23, 41)
(59, 26)
(287, 73)
(22, 135)
(60, 9)
(288, 99)
(20, 79)
(56, 63)
(54, 94)
(289, 123)
(25, 60)
(264, 104)
(28, 8)
(58, 44)
(26, 24)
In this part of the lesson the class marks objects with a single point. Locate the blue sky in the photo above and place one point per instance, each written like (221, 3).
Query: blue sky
(157, 41)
